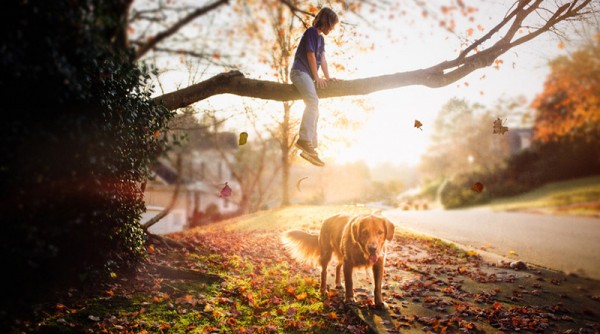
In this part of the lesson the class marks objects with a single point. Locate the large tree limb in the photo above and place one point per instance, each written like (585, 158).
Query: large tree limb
(439, 75)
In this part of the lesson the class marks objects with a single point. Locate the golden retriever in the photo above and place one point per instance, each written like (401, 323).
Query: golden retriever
(356, 241)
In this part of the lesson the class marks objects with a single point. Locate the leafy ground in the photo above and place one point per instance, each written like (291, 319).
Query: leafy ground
(234, 277)
(573, 197)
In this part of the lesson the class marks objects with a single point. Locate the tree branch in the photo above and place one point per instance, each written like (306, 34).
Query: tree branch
(439, 75)
(169, 207)
(142, 50)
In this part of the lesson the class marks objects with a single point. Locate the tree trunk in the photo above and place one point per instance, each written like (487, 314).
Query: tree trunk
(285, 155)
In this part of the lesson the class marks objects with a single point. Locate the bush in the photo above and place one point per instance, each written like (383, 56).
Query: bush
(570, 157)
(77, 142)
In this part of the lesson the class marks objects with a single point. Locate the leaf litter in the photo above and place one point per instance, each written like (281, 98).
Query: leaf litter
(245, 283)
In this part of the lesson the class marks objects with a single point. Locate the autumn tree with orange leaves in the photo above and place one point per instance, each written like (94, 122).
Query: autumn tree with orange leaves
(569, 105)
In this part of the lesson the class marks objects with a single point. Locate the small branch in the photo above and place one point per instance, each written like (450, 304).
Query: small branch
(169, 207)
(142, 50)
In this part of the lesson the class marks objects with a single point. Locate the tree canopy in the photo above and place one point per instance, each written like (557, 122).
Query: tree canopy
(524, 21)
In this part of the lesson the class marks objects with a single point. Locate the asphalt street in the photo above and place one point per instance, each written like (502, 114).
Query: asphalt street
(563, 243)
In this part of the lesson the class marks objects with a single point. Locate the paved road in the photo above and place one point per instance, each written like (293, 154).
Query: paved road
(569, 244)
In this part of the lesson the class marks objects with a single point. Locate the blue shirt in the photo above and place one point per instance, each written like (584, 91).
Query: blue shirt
(311, 41)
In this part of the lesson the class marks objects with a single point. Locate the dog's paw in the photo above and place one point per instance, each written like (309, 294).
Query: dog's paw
(339, 287)
(382, 306)
(350, 301)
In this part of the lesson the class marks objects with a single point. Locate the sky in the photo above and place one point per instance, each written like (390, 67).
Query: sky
(407, 43)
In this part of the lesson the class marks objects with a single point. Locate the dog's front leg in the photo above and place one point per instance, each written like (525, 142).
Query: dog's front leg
(348, 281)
(378, 275)
(338, 276)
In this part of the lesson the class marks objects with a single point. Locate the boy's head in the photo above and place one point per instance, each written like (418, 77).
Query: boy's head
(325, 20)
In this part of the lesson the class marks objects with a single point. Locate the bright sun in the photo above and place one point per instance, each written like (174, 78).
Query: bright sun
(388, 133)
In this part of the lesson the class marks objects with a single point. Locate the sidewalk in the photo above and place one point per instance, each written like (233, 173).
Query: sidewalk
(434, 286)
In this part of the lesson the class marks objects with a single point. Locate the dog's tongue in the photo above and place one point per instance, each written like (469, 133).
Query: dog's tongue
(373, 258)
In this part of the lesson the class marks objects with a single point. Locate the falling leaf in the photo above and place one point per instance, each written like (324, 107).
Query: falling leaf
(418, 125)
(243, 138)
(477, 187)
(499, 127)
(298, 183)
(156, 134)
(226, 191)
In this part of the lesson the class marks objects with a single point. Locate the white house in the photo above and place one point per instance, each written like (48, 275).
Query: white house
(204, 173)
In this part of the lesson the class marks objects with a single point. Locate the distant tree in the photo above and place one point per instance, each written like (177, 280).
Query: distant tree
(463, 142)
(569, 105)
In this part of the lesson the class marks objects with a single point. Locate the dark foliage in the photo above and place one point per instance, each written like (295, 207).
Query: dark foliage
(79, 134)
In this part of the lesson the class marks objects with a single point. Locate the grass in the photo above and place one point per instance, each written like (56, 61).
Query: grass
(574, 197)
(292, 217)
(260, 292)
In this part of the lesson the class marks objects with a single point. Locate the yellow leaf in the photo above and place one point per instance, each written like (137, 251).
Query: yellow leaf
(243, 138)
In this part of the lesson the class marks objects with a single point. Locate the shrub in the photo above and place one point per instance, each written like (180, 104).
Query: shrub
(79, 134)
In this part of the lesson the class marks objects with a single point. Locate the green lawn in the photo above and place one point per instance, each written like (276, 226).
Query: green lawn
(574, 197)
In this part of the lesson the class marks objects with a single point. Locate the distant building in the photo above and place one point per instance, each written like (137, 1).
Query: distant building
(203, 174)
(519, 139)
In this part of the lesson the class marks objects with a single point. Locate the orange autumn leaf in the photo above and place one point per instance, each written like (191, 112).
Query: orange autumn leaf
(470, 32)
(418, 125)
(302, 296)
(156, 134)
(477, 187)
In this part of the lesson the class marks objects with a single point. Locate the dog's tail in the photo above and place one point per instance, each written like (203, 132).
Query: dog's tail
(302, 246)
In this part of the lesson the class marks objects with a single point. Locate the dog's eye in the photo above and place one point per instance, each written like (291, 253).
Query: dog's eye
(381, 232)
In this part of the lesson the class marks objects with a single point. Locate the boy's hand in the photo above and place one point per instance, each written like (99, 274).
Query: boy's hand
(321, 83)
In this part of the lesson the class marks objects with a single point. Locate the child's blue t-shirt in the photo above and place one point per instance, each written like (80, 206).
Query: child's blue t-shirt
(310, 41)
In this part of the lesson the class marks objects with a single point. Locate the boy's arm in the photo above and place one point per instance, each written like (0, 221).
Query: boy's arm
(312, 62)
(324, 67)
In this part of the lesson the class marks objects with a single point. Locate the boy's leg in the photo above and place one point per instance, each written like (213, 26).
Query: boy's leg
(307, 90)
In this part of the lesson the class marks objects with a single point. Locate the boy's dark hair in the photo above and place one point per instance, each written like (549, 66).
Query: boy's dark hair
(325, 17)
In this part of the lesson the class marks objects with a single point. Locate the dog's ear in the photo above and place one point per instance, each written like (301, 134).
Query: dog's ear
(355, 229)
(390, 228)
